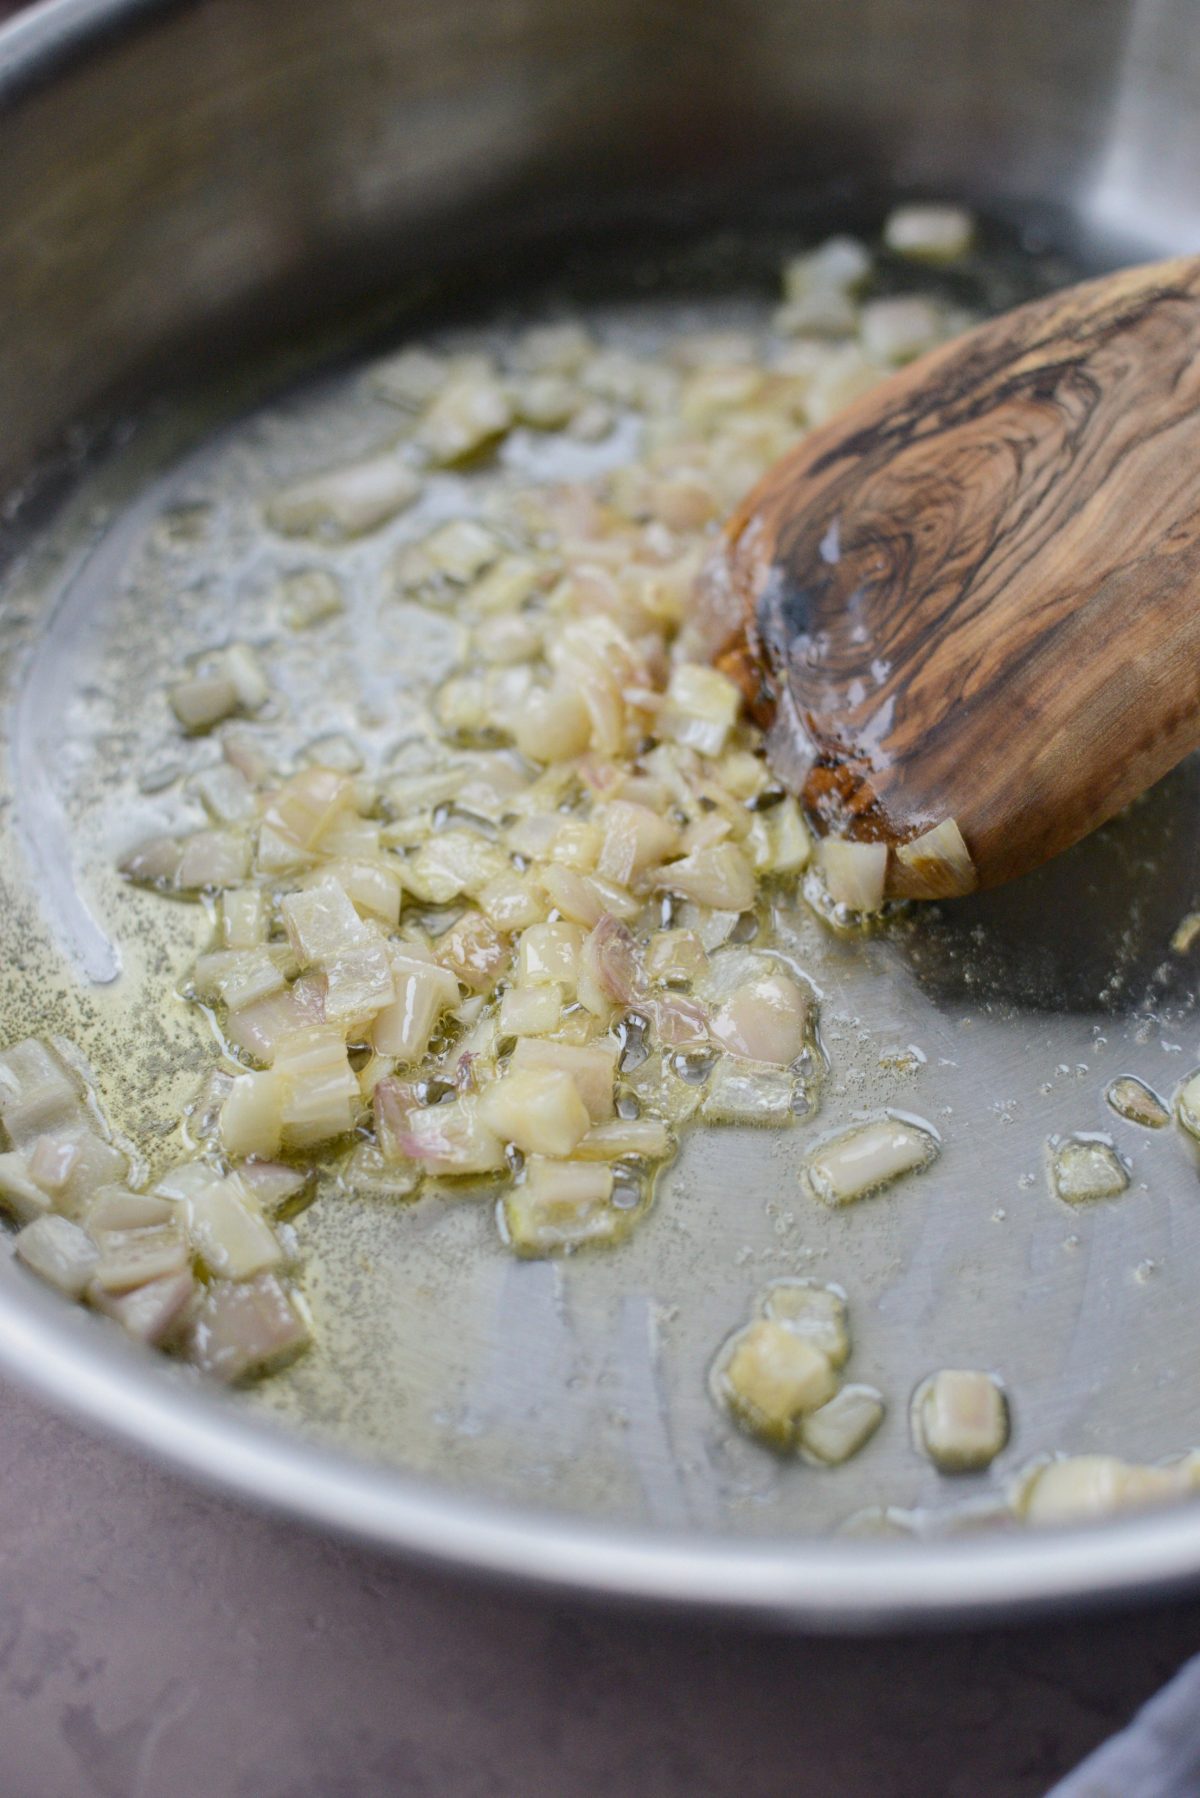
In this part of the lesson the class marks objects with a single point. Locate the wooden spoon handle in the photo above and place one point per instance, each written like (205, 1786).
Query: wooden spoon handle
(977, 592)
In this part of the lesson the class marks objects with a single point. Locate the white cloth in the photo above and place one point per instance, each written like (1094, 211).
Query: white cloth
(1157, 1756)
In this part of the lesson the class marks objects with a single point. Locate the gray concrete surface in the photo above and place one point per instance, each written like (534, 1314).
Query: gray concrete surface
(156, 1642)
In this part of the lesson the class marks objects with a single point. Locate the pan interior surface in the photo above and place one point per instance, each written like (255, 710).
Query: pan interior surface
(580, 1385)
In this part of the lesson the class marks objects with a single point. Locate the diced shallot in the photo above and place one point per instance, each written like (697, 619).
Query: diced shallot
(345, 502)
(246, 1327)
(59, 1251)
(718, 876)
(764, 1020)
(960, 1419)
(149, 1313)
(560, 1206)
(592, 1067)
(541, 1112)
(855, 873)
(870, 1156)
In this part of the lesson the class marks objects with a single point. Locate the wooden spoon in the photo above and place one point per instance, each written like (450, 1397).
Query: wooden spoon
(975, 595)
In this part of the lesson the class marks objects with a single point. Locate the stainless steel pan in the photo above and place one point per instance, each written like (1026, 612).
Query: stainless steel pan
(184, 189)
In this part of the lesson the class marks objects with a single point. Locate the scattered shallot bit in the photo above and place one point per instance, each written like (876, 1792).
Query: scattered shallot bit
(855, 873)
(960, 1419)
(1133, 1099)
(936, 865)
(869, 1156)
(1075, 1488)
(778, 1376)
(1086, 1167)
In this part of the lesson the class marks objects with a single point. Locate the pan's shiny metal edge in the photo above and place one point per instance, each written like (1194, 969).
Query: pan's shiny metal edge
(834, 1585)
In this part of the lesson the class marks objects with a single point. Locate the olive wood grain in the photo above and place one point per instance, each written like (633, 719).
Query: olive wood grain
(976, 593)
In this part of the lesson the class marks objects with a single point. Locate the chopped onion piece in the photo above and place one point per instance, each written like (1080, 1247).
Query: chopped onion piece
(764, 1020)
(37, 1093)
(780, 842)
(321, 1095)
(211, 859)
(423, 992)
(592, 1067)
(453, 863)
(840, 264)
(549, 953)
(411, 378)
(240, 977)
(359, 983)
(818, 1313)
(719, 876)
(929, 233)
(1133, 1100)
(840, 1427)
(870, 1156)
(561, 1206)
(553, 725)
(855, 873)
(260, 1028)
(130, 1258)
(229, 1232)
(467, 413)
(116, 1208)
(560, 349)
(461, 549)
(473, 952)
(635, 839)
(249, 682)
(679, 1022)
(252, 1115)
(511, 901)
(204, 700)
(936, 865)
(451, 1139)
(52, 1162)
(345, 502)
(574, 895)
(311, 804)
(610, 958)
(1087, 1167)
(154, 862)
(1088, 1486)
(274, 1186)
(322, 923)
(92, 1162)
(149, 1313)
(20, 1196)
(367, 1170)
(246, 1328)
(59, 1251)
(538, 1110)
(960, 1419)
(225, 794)
(701, 709)
(635, 1139)
(530, 1010)
(772, 1378)
(243, 918)
(748, 1093)
(372, 887)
